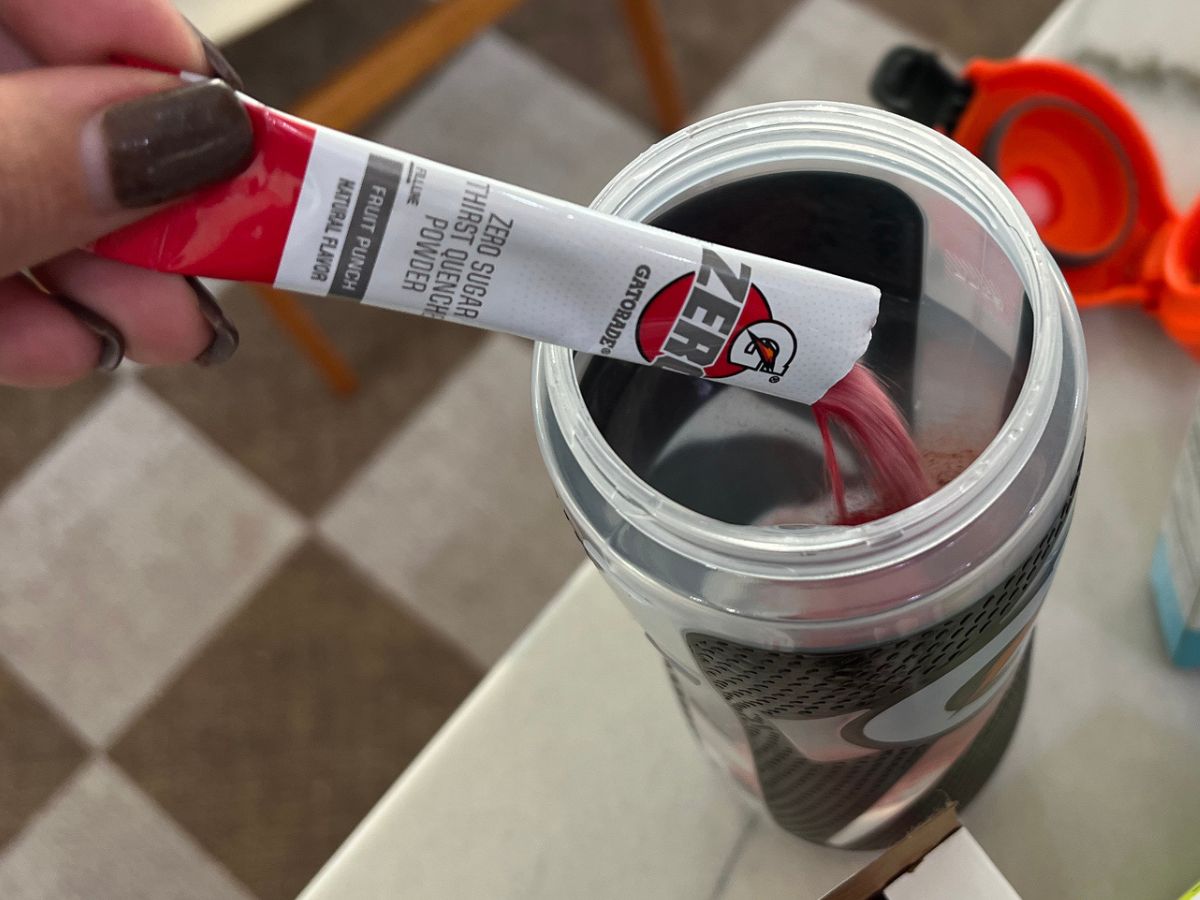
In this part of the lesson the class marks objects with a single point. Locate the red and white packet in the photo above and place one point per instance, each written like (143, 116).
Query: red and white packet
(325, 213)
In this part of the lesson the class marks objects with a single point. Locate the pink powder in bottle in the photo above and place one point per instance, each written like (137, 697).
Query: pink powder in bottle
(862, 410)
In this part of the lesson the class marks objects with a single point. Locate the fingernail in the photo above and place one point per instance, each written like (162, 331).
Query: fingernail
(112, 344)
(217, 61)
(166, 145)
(225, 334)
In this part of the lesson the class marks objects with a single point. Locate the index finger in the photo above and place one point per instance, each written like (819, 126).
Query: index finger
(63, 32)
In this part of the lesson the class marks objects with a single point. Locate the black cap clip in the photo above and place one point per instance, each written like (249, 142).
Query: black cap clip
(912, 83)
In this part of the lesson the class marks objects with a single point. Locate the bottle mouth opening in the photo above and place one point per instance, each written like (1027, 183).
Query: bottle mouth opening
(834, 137)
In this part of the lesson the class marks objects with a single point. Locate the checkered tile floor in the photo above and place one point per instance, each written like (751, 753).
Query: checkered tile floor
(234, 607)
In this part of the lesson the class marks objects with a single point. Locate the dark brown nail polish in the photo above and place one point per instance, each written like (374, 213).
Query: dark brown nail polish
(166, 145)
(112, 344)
(225, 334)
(217, 61)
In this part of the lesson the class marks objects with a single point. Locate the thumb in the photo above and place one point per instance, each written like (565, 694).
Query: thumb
(85, 150)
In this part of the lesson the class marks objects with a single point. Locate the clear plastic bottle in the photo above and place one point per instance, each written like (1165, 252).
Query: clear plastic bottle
(847, 677)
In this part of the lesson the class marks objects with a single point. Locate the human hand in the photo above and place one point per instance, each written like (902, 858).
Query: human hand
(85, 148)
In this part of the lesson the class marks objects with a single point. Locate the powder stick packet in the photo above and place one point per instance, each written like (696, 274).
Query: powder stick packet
(325, 213)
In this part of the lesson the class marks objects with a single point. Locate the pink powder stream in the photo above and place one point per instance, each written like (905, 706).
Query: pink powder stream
(861, 408)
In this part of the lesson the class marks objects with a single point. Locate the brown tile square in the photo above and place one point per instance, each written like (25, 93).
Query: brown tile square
(31, 420)
(292, 55)
(37, 753)
(270, 410)
(967, 27)
(282, 733)
(591, 42)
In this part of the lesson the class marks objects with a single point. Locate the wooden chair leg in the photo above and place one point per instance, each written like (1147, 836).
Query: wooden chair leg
(650, 38)
(369, 84)
(298, 324)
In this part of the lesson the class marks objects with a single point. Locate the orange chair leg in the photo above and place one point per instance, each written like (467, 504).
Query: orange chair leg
(300, 327)
(368, 85)
(650, 39)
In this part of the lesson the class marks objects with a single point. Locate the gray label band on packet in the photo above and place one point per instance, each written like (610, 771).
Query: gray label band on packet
(366, 227)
